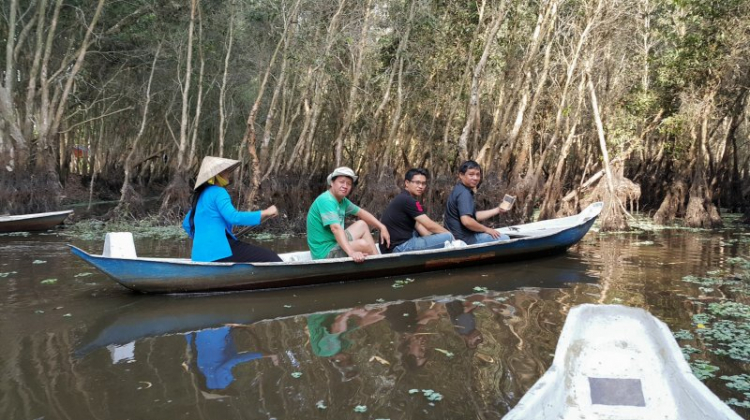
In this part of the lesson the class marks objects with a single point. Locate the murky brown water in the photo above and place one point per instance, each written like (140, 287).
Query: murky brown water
(82, 347)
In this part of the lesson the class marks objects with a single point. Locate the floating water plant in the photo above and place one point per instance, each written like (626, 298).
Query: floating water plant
(432, 395)
(480, 289)
(360, 409)
(739, 382)
(49, 281)
(684, 335)
(703, 370)
(39, 262)
(401, 283)
(296, 374)
(8, 273)
(321, 405)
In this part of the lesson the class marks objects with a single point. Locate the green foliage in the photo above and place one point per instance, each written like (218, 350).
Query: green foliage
(703, 369)
(684, 335)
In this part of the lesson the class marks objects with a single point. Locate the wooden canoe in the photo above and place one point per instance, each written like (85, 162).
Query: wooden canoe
(618, 363)
(173, 275)
(33, 222)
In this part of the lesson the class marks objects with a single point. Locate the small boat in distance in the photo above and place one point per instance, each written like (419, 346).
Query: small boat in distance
(32, 222)
(179, 275)
(618, 363)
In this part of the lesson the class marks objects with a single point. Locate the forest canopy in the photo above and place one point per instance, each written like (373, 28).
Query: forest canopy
(640, 103)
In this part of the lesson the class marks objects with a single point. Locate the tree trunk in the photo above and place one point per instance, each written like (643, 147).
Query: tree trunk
(127, 194)
(473, 106)
(223, 88)
(613, 218)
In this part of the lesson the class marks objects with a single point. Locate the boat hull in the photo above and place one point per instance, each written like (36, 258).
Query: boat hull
(32, 222)
(618, 363)
(172, 276)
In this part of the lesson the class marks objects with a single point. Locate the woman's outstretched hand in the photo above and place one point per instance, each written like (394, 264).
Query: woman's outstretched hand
(269, 213)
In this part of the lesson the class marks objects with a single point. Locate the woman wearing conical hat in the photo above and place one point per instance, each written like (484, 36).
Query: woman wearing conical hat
(210, 220)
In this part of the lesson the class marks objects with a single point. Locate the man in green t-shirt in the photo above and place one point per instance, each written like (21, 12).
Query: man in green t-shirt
(326, 235)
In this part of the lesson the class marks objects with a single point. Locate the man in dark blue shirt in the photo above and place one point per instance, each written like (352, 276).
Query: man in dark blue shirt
(461, 217)
(410, 228)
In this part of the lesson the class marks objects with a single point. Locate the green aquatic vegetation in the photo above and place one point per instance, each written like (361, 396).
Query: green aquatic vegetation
(149, 227)
(703, 281)
(401, 283)
(83, 274)
(684, 335)
(24, 234)
(738, 403)
(321, 405)
(643, 243)
(2, 275)
(269, 236)
(687, 350)
(360, 409)
(701, 319)
(432, 395)
(740, 262)
(49, 281)
(728, 338)
(480, 289)
(296, 375)
(39, 262)
(739, 382)
(703, 370)
(729, 309)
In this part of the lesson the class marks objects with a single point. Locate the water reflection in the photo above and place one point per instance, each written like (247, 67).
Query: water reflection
(216, 355)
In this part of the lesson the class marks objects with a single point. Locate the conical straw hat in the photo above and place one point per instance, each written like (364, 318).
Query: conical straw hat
(212, 166)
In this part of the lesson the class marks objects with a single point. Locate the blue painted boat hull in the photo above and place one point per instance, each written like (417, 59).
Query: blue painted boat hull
(179, 276)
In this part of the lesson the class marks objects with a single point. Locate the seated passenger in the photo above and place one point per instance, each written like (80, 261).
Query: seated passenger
(211, 218)
(461, 217)
(410, 228)
(326, 235)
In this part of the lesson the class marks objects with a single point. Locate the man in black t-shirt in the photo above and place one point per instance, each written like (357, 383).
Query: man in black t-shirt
(410, 228)
(461, 217)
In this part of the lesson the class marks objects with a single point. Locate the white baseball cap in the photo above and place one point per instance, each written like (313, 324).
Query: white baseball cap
(341, 171)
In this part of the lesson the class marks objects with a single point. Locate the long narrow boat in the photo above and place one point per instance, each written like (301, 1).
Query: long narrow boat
(172, 275)
(33, 222)
(613, 362)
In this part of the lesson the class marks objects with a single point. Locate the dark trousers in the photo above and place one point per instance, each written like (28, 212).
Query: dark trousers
(244, 252)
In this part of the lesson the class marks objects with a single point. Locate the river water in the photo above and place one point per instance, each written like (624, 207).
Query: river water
(459, 344)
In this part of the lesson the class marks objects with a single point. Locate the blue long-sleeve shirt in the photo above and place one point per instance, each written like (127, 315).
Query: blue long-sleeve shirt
(214, 217)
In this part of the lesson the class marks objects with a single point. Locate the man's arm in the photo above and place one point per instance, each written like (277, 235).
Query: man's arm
(368, 218)
(428, 225)
(421, 230)
(475, 226)
(486, 214)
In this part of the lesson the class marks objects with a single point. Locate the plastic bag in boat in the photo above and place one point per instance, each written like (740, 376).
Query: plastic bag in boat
(454, 244)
